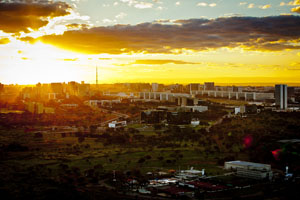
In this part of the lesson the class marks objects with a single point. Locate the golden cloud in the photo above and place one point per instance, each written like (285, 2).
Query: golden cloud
(4, 40)
(160, 62)
(296, 9)
(273, 33)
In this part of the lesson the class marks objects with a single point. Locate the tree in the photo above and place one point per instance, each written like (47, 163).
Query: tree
(141, 160)
(81, 139)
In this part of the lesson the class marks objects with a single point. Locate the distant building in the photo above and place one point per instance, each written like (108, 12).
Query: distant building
(209, 86)
(186, 101)
(249, 109)
(291, 92)
(69, 105)
(57, 88)
(1, 87)
(154, 87)
(194, 86)
(83, 89)
(38, 108)
(195, 122)
(49, 110)
(281, 96)
(250, 170)
(240, 109)
(179, 117)
(194, 108)
(52, 96)
(115, 124)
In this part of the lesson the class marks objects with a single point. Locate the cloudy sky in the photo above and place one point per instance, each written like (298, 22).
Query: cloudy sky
(168, 41)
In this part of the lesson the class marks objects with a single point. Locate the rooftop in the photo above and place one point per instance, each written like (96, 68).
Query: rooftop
(245, 163)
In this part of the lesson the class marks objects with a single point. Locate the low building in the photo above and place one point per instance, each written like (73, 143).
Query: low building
(248, 109)
(195, 122)
(115, 124)
(69, 105)
(49, 110)
(249, 169)
(38, 108)
(194, 108)
(179, 118)
(240, 109)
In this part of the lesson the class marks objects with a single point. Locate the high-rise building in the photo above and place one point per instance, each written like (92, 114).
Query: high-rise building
(57, 88)
(194, 86)
(97, 77)
(281, 96)
(209, 86)
(154, 87)
(1, 87)
(291, 92)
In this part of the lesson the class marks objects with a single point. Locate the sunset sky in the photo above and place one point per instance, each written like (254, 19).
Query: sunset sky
(167, 41)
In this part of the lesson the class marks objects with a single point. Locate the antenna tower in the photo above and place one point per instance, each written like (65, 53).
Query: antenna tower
(97, 77)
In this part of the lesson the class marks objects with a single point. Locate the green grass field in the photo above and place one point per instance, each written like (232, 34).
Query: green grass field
(53, 150)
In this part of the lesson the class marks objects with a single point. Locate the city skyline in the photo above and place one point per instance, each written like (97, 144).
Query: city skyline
(228, 42)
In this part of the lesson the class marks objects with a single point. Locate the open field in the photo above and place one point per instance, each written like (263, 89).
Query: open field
(52, 149)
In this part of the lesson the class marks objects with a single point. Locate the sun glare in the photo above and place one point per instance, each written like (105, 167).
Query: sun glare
(31, 64)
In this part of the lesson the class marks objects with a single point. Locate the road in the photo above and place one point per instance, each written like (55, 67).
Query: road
(119, 115)
(219, 121)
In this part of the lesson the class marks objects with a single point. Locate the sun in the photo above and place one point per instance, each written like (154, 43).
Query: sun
(33, 63)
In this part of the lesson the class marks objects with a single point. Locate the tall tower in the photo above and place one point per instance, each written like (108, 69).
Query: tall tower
(281, 96)
(97, 77)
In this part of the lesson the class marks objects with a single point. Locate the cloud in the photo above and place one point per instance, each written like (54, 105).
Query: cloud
(282, 4)
(291, 3)
(105, 58)
(28, 39)
(294, 3)
(296, 9)
(109, 20)
(69, 59)
(121, 15)
(203, 4)
(265, 6)
(4, 41)
(115, 20)
(138, 4)
(160, 62)
(17, 16)
(272, 33)
(76, 26)
(242, 3)
(251, 5)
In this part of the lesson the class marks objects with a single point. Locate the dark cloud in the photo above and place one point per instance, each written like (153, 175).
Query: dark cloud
(267, 33)
(160, 62)
(17, 16)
